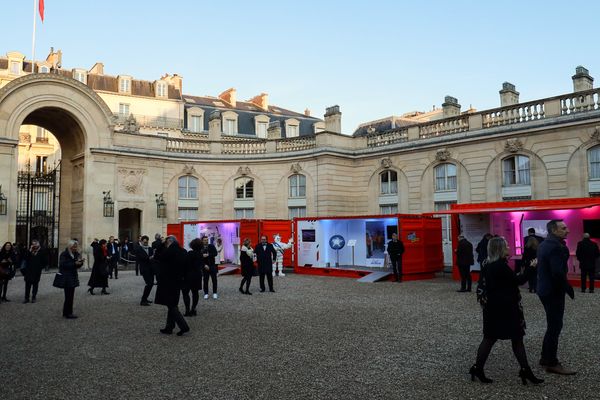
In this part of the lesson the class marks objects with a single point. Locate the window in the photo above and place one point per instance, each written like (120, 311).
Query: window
(80, 76)
(292, 131)
(389, 182)
(388, 209)
(296, 212)
(244, 188)
(297, 186)
(446, 225)
(124, 85)
(161, 89)
(188, 187)
(123, 109)
(445, 178)
(594, 162)
(15, 67)
(230, 127)
(261, 129)
(516, 171)
(41, 164)
(242, 213)
(196, 123)
(44, 69)
(187, 213)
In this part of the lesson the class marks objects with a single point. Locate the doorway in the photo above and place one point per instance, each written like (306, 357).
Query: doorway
(130, 224)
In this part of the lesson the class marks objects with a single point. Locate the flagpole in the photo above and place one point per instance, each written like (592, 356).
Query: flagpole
(33, 38)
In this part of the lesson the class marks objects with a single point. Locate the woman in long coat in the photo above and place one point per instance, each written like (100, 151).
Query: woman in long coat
(8, 263)
(36, 259)
(193, 277)
(529, 255)
(503, 316)
(99, 276)
(67, 277)
(247, 261)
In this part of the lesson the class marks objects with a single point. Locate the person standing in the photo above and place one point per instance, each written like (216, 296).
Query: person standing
(247, 261)
(8, 264)
(220, 252)
(464, 259)
(68, 263)
(99, 276)
(587, 253)
(531, 235)
(113, 257)
(144, 255)
(265, 257)
(35, 259)
(395, 249)
(170, 280)
(503, 316)
(529, 255)
(552, 256)
(134, 250)
(481, 249)
(210, 269)
(193, 277)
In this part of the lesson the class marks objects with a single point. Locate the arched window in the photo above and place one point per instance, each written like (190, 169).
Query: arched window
(188, 187)
(244, 188)
(297, 184)
(445, 177)
(388, 182)
(594, 162)
(515, 170)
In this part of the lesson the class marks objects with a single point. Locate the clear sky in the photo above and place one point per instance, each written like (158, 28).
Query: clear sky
(374, 58)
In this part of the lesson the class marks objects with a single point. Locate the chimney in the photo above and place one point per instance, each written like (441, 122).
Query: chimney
(582, 79)
(229, 96)
(307, 112)
(97, 69)
(262, 101)
(450, 107)
(274, 130)
(333, 119)
(214, 125)
(508, 95)
(174, 80)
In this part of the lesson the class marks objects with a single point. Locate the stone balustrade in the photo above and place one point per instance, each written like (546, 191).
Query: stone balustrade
(387, 138)
(190, 146)
(149, 121)
(296, 144)
(257, 146)
(444, 127)
(578, 102)
(514, 114)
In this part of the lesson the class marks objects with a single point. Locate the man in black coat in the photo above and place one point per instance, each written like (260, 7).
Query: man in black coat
(35, 260)
(587, 253)
(265, 257)
(531, 234)
(210, 269)
(552, 267)
(464, 259)
(113, 257)
(171, 276)
(144, 255)
(395, 249)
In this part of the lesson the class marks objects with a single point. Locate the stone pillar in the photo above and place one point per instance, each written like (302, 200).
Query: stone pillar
(214, 126)
(582, 79)
(333, 119)
(508, 95)
(450, 107)
(274, 130)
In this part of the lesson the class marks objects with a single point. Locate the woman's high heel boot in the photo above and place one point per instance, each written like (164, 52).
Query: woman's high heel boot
(526, 374)
(478, 372)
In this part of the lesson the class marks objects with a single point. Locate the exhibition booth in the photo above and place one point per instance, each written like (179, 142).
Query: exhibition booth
(512, 220)
(356, 246)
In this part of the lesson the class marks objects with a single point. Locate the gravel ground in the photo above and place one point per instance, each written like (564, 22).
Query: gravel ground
(315, 338)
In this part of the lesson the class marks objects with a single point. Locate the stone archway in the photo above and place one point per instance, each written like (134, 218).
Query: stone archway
(80, 120)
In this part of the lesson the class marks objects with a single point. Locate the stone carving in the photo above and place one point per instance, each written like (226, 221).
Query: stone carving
(24, 138)
(442, 155)
(513, 145)
(296, 168)
(131, 180)
(244, 170)
(189, 169)
(386, 162)
(596, 134)
(130, 125)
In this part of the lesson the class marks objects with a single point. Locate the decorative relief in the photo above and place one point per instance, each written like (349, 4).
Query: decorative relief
(24, 138)
(130, 180)
(442, 155)
(189, 170)
(296, 168)
(130, 125)
(513, 145)
(244, 170)
(596, 134)
(386, 162)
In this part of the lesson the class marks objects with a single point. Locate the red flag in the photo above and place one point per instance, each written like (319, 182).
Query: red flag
(41, 8)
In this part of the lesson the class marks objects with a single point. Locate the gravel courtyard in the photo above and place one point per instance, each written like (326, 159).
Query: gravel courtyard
(315, 338)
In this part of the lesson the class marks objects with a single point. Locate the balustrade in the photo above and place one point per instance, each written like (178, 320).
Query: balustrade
(580, 102)
(187, 146)
(387, 138)
(296, 144)
(444, 127)
(515, 114)
(244, 147)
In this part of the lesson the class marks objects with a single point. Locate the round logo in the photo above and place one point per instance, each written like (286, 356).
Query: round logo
(337, 242)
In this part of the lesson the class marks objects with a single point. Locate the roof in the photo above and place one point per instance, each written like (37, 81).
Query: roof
(516, 206)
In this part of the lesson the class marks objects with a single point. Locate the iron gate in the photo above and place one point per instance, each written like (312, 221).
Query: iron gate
(38, 209)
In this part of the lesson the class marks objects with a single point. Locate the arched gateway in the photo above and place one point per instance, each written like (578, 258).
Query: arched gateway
(81, 121)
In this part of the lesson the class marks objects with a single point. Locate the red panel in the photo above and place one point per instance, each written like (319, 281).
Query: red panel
(284, 228)
(175, 230)
(527, 205)
(249, 228)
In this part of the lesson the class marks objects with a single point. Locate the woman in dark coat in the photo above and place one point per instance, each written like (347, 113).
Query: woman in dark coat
(502, 312)
(481, 249)
(247, 261)
(193, 277)
(171, 272)
(99, 276)
(67, 277)
(35, 260)
(8, 263)
(529, 255)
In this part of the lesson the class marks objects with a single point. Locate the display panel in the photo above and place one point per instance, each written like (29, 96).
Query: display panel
(228, 232)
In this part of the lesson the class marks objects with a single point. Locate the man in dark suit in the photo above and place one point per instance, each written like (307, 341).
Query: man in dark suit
(464, 259)
(265, 257)
(113, 257)
(531, 234)
(210, 269)
(552, 256)
(144, 256)
(587, 253)
(395, 249)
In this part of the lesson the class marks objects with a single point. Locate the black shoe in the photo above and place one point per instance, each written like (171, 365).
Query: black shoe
(543, 363)
(91, 291)
(271, 290)
(193, 313)
(469, 290)
(582, 290)
(182, 331)
(262, 290)
(116, 277)
(25, 301)
(149, 301)
(5, 300)
(104, 292)
(526, 374)
(33, 300)
(478, 372)
(461, 291)
(248, 292)
(70, 316)
(241, 290)
(144, 303)
(187, 314)
(110, 277)
(166, 331)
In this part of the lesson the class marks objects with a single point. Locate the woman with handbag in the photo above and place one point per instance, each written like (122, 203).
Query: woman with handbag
(99, 276)
(35, 260)
(8, 262)
(67, 278)
(247, 261)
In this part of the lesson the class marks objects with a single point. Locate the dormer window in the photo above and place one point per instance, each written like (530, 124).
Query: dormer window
(15, 68)
(80, 76)
(44, 69)
(124, 84)
(161, 89)
(292, 128)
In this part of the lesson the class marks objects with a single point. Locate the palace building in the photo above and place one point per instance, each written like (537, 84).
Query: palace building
(136, 155)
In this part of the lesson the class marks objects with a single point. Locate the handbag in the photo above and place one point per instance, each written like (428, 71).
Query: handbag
(59, 281)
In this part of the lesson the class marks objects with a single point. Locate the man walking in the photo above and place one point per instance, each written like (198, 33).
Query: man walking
(395, 249)
(587, 253)
(464, 259)
(552, 256)
(113, 257)
(144, 256)
(265, 257)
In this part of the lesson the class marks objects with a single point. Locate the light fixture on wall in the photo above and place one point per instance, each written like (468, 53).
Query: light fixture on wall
(161, 206)
(3, 203)
(109, 205)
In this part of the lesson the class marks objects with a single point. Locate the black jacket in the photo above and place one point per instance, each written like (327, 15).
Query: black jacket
(481, 250)
(464, 253)
(552, 267)
(247, 263)
(34, 264)
(395, 249)
(67, 267)
(265, 258)
(587, 253)
(143, 259)
(193, 270)
(171, 274)
(212, 252)
(99, 276)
